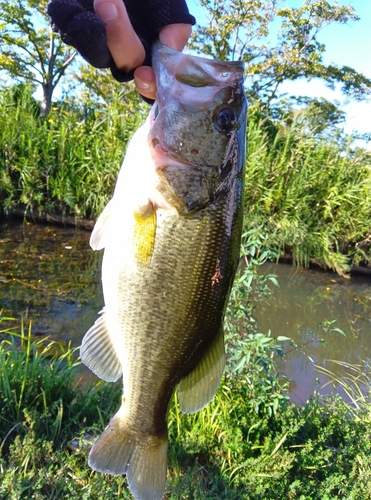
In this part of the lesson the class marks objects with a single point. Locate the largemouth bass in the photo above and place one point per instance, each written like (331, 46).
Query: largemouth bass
(171, 235)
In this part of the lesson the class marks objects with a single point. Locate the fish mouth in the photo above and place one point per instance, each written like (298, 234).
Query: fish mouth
(194, 71)
(175, 165)
(166, 159)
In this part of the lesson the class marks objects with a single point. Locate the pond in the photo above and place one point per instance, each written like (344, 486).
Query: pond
(310, 306)
(51, 277)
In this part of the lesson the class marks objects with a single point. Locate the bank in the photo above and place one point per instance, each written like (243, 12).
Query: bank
(250, 442)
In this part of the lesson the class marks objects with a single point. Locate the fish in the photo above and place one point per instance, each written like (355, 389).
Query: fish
(171, 237)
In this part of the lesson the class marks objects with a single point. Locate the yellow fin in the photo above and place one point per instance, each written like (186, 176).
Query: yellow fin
(199, 387)
(144, 235)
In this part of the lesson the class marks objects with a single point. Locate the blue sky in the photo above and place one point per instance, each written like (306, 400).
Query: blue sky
(345, 45)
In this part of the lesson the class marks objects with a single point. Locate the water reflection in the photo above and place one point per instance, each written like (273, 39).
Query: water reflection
(50, 275)
(303, 308)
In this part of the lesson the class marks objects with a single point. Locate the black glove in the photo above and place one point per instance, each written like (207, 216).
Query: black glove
(80, 27)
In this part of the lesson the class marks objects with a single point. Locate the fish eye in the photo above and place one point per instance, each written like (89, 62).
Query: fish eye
(224, 119)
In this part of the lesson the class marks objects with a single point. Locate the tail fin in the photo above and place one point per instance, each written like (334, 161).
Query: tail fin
(142, 458)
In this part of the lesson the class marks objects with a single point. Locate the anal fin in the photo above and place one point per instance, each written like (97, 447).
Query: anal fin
(199, 387)
(97, 351)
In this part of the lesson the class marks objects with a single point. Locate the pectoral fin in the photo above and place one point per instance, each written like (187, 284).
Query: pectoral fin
(99, 235)
(144, 235)
(97, 352)
(199, 387)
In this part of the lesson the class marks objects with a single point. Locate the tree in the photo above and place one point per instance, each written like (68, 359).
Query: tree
(243, 29)
(30, 51)
(100, 88)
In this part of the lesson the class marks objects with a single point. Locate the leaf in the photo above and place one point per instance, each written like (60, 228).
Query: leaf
(339, 330)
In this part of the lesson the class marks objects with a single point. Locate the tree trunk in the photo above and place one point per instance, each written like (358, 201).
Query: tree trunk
(46, 102)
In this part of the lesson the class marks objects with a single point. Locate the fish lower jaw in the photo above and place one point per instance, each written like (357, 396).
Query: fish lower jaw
(167, 160)
(175, 165)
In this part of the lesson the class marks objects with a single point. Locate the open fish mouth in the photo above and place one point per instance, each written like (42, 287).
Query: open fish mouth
(200, 105)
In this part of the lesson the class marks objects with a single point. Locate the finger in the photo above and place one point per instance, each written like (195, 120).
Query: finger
(175, 36)
(126, 48)
(145, 82)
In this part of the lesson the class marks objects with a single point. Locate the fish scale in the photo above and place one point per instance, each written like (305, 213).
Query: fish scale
(171, 237)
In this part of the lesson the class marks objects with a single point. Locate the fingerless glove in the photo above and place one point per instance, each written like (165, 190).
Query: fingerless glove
(80, 27)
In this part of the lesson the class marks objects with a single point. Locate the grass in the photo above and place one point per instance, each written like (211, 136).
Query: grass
(311, 194)
(66, 163)
(355, 382)
(305, 194)
(229, 450)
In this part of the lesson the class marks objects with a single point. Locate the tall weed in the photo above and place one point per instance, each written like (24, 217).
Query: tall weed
(66, 163)
(310, 194)
(249, 443)
(38, 390)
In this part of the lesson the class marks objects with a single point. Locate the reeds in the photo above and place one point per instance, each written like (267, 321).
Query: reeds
(232, 449)
(309, 192)
(39, 389)
(66, 163)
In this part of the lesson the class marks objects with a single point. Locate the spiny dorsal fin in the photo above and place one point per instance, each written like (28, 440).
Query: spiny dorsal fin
(142, 458)
(97, 351)
(199, 387)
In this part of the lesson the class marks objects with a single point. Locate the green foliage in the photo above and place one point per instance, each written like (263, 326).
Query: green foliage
(237, 29)
(318, 117)
(30, 51)
(66, 163)
(243, 30)
(355, 382)
(229, 450)
(38, 390)
(249, 443)
(307, 187)
(252, 355)
(311, 194)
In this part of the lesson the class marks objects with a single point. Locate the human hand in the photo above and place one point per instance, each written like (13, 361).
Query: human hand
(126, 48)
(120, 35)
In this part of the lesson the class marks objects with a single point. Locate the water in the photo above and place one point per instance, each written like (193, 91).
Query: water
(303, 308)
(49, 275)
